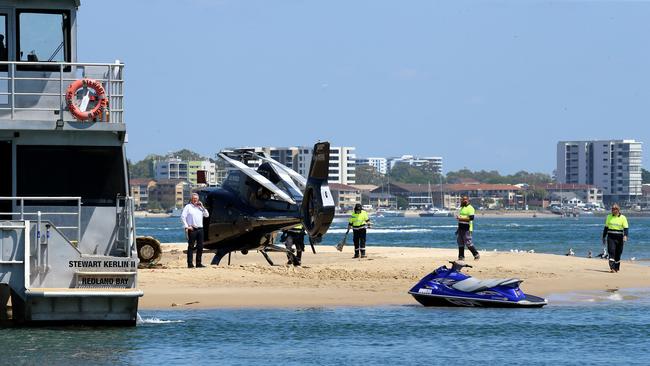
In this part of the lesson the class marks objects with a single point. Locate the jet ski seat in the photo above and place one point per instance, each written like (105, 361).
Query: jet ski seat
(472, 284)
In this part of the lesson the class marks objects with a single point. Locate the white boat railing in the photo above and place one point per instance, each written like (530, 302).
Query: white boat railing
(20, 75)
(37, 215)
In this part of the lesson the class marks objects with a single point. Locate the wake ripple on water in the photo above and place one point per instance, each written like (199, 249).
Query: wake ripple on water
(140, 321)
(382, 231)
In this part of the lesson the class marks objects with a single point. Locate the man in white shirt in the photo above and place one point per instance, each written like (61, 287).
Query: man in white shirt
(192, 219)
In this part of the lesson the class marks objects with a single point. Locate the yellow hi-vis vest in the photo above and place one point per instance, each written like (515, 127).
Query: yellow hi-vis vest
(616, 224)
(297, 228)
(465, 213)
(358, 220)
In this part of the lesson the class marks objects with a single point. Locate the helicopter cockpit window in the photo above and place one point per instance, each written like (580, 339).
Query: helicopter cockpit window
(43, 37)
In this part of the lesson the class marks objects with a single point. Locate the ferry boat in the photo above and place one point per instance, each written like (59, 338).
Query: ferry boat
(67, 236)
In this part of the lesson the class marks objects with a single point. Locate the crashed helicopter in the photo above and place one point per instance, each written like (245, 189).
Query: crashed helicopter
(252, 204)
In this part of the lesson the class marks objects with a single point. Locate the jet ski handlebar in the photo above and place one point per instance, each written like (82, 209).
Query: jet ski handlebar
(460, 264)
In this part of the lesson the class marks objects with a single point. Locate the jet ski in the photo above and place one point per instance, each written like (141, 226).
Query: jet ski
(449, 287)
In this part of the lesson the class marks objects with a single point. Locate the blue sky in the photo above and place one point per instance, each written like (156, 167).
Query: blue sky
(484, 84)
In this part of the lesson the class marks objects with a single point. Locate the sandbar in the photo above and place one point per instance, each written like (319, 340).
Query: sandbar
(332, 278)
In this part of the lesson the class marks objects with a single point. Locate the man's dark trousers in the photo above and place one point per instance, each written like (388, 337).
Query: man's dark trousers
(194, 236)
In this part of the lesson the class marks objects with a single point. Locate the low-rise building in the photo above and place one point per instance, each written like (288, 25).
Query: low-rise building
(345, 196)
(139, 188)
(365, 190)
(421, 196)
(586, 192)
(566, 198)
(170, 193)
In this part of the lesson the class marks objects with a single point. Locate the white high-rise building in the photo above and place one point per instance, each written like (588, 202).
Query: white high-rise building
(380, 164)
(612, 165)
(342, 165)
(298, 158)
(434, 162)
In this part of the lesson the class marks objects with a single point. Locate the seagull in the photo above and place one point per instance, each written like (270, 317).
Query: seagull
(570, 252)
(589, 254)
(633, 258)
(531, 251)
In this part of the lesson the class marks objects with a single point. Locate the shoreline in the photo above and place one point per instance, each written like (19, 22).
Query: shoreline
(333, 279)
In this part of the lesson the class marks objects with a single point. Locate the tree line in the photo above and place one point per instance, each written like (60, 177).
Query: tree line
(404, 173)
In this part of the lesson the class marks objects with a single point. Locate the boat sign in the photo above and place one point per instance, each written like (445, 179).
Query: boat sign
(105, 280)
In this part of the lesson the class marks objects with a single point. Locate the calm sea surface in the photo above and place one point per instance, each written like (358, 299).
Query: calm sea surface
(595, 328)
(543, 235)
(589, 328)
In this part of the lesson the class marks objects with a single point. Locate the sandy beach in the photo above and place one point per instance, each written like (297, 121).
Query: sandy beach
(330, 278)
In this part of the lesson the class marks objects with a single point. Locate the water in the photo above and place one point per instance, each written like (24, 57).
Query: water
(588, 328)
(543, 235)
(595, 328)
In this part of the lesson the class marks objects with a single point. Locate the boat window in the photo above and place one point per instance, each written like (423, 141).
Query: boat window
(94, 173)
(4, 55)
(43, 36)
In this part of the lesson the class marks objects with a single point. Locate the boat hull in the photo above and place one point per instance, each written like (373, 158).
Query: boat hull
(458, 301)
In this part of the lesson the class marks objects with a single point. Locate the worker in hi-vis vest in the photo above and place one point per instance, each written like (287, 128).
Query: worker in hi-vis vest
(359, 222)
(615, 231)
(465, 219)
(294, 236)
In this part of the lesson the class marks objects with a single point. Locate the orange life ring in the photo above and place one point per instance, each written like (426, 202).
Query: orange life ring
(100, 94)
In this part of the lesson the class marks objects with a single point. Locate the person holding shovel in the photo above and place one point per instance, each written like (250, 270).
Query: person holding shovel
(359, 222)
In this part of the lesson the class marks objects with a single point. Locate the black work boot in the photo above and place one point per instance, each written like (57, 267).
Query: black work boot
(363, 253)
(461, 253)
(475, 253)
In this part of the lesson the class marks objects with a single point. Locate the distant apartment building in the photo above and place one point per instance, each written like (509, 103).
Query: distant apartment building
(296, 158)
(341, 166)
(175, 168)
(205, 167)
(345, 196)
(140, 191)
(614, 166)
(380, 164)
(170, 193)
(434, 163)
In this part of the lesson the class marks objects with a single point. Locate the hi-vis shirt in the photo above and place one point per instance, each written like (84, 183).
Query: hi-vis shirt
(466, 213)
(358, 220)
(616, 224)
